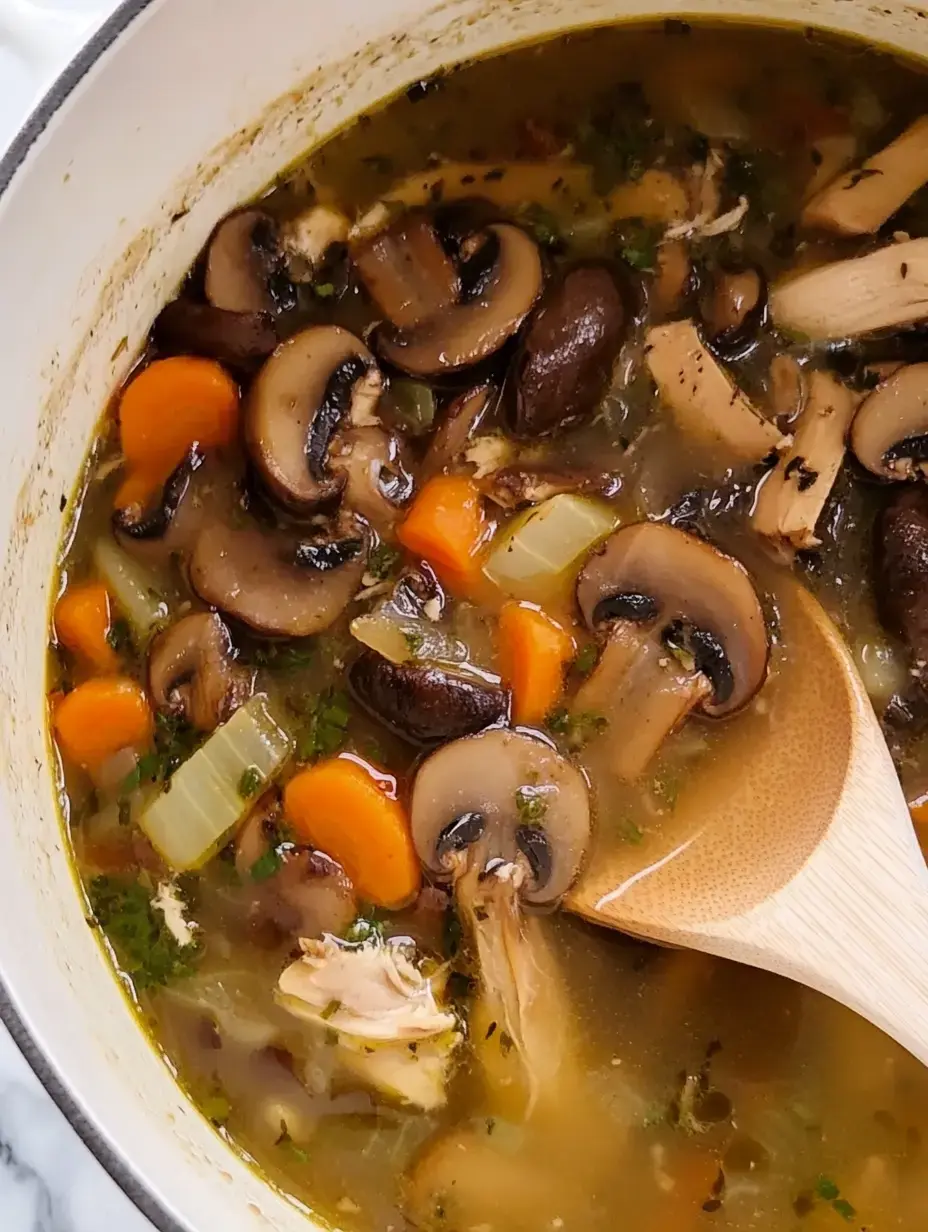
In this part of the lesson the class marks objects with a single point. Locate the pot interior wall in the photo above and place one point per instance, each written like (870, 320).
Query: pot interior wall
(195, 107)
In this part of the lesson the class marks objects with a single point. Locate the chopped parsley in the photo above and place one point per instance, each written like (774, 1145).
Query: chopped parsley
(365, 929)
(146, 949)
(638, 244)
(330, 1010)
(324, 290)
(266, 865)
(382, 561)
(326, 730)
(532, 806)
(618, 138)
(630, 831)
(542, 224)
(175, 742)
(575, 730)
(250, 783)
(826, 1189)
(414, 641)
(284, 656)
(586, 659)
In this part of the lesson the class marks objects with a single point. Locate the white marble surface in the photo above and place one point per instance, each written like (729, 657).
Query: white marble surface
(49, 1181)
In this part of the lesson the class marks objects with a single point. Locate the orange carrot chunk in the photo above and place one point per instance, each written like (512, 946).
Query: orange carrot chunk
(533, 650)
(83, 620)
(101, 717)
(345, 810)
(447, 526)
(919, 810)
(172, 404)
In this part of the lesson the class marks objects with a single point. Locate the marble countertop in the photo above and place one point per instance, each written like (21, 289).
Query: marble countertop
(49, 1181)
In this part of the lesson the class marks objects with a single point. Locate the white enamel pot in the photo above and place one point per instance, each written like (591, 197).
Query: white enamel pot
(177, 111)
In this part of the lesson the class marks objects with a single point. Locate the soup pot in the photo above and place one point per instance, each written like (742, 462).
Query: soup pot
(177, 111)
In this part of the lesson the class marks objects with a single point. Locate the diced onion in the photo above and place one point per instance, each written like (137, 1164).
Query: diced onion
(133, 588)
(540, 551)
(406, 639)
(190, 820)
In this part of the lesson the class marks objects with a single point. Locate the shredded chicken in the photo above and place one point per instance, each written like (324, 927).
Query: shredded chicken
(488, 454)
(707, 221)
(311, 234)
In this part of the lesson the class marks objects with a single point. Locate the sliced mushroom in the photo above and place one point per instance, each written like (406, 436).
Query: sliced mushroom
(239, 339)
(277, 587)
(467, 333)
(378, 484)
(154, 523)
(860, 201)
(502, 797)
(458, 424)
(513, 487)
(685, 629)
(786, 388)
(566, 361)
(192, 672)
(407, 272)
(310, 235)
(791, 498)
(733, 309)
(702, 397)
(890, 431)
(309, 386)
(902, 569)
(882, 290)
(245, 268)
(422, 703)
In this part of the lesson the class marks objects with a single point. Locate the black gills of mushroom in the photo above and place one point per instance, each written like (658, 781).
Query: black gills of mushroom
(901, 559)
(156, 522)
(324, 557)
(335, 405)
(422, 703)
(246, 270)
(734, 309)
(566, 361)
(627, 605)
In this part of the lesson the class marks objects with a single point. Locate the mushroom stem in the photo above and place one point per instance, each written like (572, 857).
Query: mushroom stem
(646, 693)
(519, 1020)
(793, 495)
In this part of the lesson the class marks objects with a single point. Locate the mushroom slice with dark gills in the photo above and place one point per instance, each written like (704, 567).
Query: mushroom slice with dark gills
(246, 269)
(310, 386)
(684, 630)
(566, 360)
(378, 475)
(493, 305)
(505, 819)
(424, 703)
(192, 672)
(733, 309)
(277, 586)
(240, 339)
(407, 272)
(458, 423)
(889, 434)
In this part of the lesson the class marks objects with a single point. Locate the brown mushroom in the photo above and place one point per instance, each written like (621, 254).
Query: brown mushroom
(470, 331)
(704, 401)
(890, 431)
(378, 483)
(423, 703)
(566, 361)
(685, 629)
(902, 568)
(733, 309)
(502, 797)
(792, 496)
(407, 273)
(246, 270)
(192, 672)
(240, 339)
(514, 487)
(300, 398)
(459, 422)
(275, 586)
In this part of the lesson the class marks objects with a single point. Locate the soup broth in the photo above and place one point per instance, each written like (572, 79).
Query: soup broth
(459, 500)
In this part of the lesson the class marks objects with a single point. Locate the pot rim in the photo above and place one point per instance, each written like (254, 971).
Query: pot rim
(113, 1161)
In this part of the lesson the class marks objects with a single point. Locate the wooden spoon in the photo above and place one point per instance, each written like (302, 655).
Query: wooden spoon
(803, 859)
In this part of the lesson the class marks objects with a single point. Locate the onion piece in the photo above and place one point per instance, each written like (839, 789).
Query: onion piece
(189, 822)
(133, 587)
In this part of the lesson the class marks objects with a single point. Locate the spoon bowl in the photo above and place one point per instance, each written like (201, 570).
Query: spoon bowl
(805, 861)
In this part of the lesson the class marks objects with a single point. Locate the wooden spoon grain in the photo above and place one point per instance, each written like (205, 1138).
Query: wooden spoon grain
(804, 861)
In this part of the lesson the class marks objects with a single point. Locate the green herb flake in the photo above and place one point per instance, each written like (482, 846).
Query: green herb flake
(326, 730)
(542, 224)
(330, 1010)
(638, 245)
(844, 1208)
(826, 1189)
(414, 641)
(532, 806)
(324, 290)
(216, 1107)
(630, 831)
(266, 866)
(586, 659)
(364, 930)
(144, 946)
(284, 657)
(250, 783)
(382, 561)
(576, 730)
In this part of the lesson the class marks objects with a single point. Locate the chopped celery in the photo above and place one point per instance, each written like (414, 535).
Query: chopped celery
(201, 804)
(539, 552)
(133, 588)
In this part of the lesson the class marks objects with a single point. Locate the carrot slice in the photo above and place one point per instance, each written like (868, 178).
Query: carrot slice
(170, 405)
(447, 527)
(533, 649)
(919, 810)
(83, 619)
(101, 717)
(342, 807)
